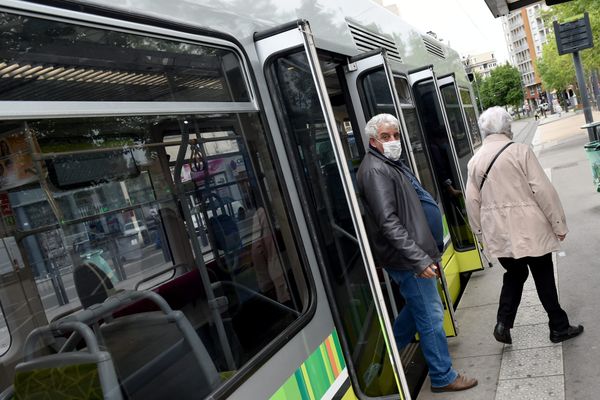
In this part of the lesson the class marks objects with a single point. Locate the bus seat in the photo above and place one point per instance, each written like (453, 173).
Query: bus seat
(92, 284)
(156, 354)
(86, 374)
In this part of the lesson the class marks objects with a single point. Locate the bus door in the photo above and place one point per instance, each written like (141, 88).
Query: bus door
(319, 136)
(374, 90)
(471, 114)
(443, 147)
(456, 122)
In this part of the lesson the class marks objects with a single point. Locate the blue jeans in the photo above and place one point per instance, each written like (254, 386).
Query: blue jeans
(423, 313)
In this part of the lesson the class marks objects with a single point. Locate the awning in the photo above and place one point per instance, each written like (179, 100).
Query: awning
(503, 7)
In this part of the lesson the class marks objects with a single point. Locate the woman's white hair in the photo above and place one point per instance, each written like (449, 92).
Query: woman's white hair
(495, 120)
(378, 120)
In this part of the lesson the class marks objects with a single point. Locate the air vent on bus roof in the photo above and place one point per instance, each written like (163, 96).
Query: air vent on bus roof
(433, 48)
(367, 40)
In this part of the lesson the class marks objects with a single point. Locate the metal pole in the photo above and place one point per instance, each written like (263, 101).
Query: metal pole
(587, 108)
(596, 88)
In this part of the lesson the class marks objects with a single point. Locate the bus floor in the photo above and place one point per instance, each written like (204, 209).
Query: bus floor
(533, 367)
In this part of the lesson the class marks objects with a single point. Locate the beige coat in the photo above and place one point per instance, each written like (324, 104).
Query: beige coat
(518, 212)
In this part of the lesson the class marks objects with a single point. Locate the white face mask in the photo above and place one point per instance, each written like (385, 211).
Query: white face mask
(392, 150)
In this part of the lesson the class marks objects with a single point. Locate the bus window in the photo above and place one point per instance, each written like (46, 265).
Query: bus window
(309, 147)
(97, 213)
(460, 135)
(473, 126)
(82, 63)
(442, 158)
(378, 99)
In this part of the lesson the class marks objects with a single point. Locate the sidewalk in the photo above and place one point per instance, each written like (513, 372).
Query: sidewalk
(533, 367)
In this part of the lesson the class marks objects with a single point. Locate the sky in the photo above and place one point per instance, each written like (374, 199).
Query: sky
(466, 25)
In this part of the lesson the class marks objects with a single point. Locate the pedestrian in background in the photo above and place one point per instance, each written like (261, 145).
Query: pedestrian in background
(405, 227)
(516, 213)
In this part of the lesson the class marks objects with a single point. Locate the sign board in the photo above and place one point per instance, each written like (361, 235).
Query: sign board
(573, 36)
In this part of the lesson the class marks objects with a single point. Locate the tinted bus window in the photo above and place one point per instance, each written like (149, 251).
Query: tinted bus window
(333, 231)
(98, 215)
(473, 126)
(377, 97)
(458, 130)
(54, 61)
(442, 157)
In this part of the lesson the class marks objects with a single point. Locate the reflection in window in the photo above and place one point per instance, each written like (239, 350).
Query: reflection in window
(44, 60)
(442, 157)
(334, 233)
(108, 218)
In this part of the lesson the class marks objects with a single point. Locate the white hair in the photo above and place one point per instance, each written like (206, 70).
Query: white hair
(495, 120)
(379, 120)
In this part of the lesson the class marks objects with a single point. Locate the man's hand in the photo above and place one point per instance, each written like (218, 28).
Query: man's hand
(429, 272)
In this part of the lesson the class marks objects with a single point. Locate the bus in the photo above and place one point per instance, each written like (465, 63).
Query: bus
(178, 209)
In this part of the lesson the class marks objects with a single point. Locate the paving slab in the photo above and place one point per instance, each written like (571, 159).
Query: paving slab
(541, 388)
(528, 363)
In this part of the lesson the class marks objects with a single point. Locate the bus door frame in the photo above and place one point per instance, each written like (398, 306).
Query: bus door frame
(447, 80)
(358, 66)
(299, 35)
(427, 73)
(450, 79)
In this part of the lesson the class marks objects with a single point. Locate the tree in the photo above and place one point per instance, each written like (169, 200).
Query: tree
(502, 88)
(557, 72)
(574, 10)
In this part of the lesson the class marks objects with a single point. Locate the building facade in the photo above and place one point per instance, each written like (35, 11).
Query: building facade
(482, 63)
(525, 34)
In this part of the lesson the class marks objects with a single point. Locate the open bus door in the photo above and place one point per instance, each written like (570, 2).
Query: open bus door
(443, 145)
(464, 130)
(369, 76)
(315, 142)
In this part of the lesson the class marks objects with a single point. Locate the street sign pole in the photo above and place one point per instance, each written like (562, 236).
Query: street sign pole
(571, 37)
(587, 107)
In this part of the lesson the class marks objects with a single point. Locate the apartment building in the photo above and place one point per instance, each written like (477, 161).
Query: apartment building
(482, 63)
(525, 34)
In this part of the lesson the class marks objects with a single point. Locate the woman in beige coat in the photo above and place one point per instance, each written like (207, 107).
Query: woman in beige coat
(516, 213)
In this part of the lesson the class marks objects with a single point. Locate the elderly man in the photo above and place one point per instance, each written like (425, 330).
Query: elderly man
(402, 219)
(515, 211)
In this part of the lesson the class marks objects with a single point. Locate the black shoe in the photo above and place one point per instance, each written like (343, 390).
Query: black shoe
(502, 333)
(561, 336)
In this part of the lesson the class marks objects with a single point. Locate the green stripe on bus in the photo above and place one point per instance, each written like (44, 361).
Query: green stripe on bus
(338, 350)
(315, 367)
(326, 363)
(289, 390)
(316, 375)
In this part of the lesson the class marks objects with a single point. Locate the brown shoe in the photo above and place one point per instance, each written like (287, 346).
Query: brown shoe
(460, 383)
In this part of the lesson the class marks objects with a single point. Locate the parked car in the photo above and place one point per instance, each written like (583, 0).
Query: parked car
(139, 229)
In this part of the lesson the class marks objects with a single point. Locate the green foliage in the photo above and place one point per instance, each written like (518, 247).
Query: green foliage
(502, 88)
(557, 72)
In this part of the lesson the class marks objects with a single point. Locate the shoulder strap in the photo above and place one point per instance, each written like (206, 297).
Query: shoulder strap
(485, 175)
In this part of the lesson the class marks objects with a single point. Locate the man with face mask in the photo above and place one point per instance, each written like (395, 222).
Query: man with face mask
(405, 227)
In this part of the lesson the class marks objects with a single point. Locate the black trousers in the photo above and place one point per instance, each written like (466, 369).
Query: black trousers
(515, 276)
